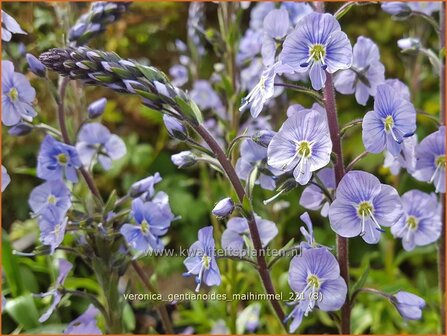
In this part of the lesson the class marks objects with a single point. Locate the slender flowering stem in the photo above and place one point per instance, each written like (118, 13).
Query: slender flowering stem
(161, 310)
(441, 249)
(239, 189)
(60, 99)
(356, 159)
(342, 243)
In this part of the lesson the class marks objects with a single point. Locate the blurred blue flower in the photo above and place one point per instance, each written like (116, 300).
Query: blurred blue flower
(179, 74)
(275, 26)
(315, 274)
(153, 220)
(223, 208)
(64, 268)
(6, 179)
(96, 108)
(362, 205)
(396, 8)
(296, 10)
(318, 50)
(9, 27)
(57, 160)
(85, 324)
(205, 97)
(201, 260)
(392, 120)
(313, 198)
(259, 12)
(248, 320)
(145, 187)
(96, 142)
(17, 96)
(237, 234)
(249, 46)
(51, 196)
(409, 305)
(302, 144)
(426, 7)
(406, 159)
(421, 223)
(52, 229)
(430, 160)
(365, 74)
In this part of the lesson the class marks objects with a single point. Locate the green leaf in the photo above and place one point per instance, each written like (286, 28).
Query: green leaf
(110, 204)
(11, 267)
(361, 281)
(23, 310)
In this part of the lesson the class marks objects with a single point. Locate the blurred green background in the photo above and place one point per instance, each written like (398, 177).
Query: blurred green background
(147, 34)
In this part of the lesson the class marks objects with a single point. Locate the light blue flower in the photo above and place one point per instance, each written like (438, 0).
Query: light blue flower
(276, 25)
(57, 160)
(234, 238)
(153, 219)
(17, 96)
(421, 223)
(96, 142)
(363, 205)
(51, 196)
(318, 50)
(64, 268)
(52, 229)
(315, 274)
(6, 179)
(366, 73)
(430, 160)
(392, 120)
(302, 145)
(85, 324)
(406, 158)
(9, 27)
(201, 260)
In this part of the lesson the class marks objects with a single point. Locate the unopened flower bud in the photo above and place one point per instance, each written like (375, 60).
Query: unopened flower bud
(20, 129)
(175, 128)
(409, 43)
(36, 66)
(223, 208)
(96, 109)
(184, 159)
(409, 305)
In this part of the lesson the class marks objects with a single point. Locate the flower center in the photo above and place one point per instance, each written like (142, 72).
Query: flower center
(62, 159)
(52, 199)
(313, 281)
(13, 94)
(206, 261)
(317, 52)
(389, 123)
(365, 209)
(144, 226)
(412, 223)
(440, 161)
(304, 149)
